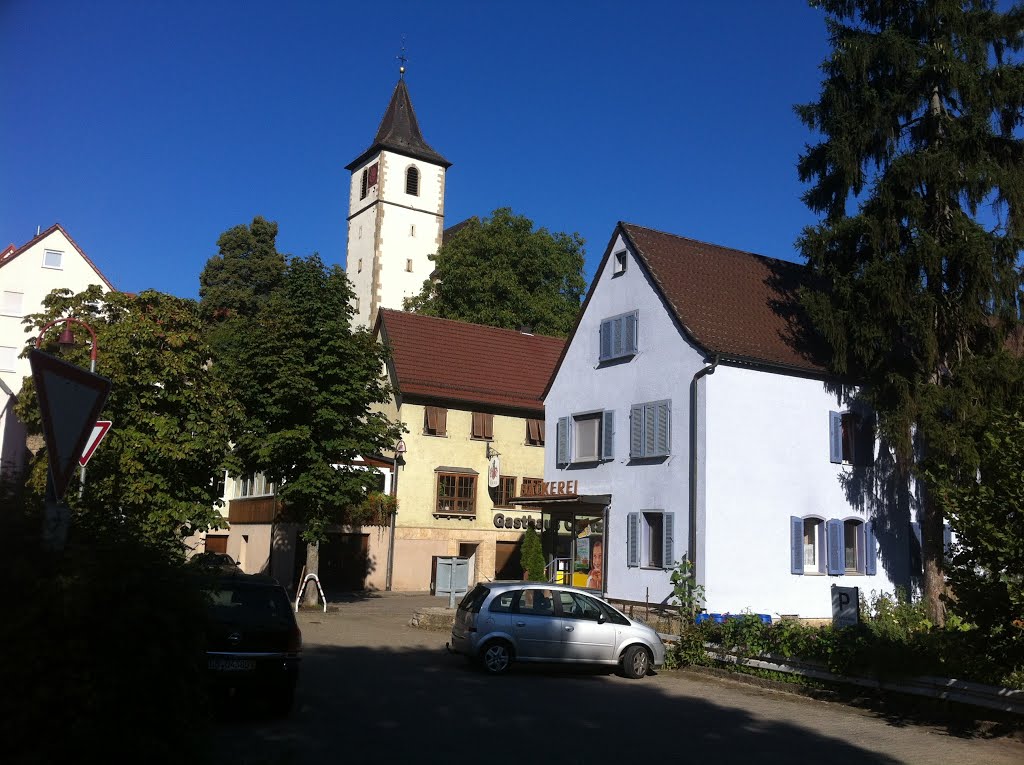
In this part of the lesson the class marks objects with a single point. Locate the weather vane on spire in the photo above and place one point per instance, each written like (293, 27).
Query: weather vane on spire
(401, 57)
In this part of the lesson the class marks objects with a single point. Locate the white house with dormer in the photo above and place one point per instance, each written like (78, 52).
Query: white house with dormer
(50, 260)
(695, 419)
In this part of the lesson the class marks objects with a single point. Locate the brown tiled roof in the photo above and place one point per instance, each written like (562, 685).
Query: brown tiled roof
(7, 255)
(399, 131)
(733, 303)
(445, 360)
(451, 231)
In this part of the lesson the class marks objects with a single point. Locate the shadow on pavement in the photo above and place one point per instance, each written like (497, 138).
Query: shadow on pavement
(429, 706)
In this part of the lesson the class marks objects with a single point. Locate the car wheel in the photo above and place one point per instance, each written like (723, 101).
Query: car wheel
(496, 657)
(635, 662)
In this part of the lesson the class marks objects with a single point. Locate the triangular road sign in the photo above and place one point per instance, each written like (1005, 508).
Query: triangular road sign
(99, 432)
(70, 400)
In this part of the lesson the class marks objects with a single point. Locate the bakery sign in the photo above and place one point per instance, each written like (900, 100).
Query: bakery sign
(552, 489)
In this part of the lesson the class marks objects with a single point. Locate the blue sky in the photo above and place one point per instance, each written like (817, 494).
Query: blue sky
(148, 128)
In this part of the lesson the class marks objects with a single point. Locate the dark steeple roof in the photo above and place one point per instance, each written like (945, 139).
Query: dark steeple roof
(400, 132)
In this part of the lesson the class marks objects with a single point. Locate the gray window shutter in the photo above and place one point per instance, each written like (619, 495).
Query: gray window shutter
(606, 339)
(608, 436)
(834, 545)
(870, 549)
(562, 457)
(668, 560)
(835, 437)
(629, 333)
(636, 431)
(664, 416)
(650, 430)
(633, 540)
(617, 341)
(796, 545)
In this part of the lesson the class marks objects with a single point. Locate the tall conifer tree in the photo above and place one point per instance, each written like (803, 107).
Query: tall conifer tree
(919, 179)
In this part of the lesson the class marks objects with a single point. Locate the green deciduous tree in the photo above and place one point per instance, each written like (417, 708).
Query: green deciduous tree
(502, 272)
(919, 177)
(157, 469)
(308, 384)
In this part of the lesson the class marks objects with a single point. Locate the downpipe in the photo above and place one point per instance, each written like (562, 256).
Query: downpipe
(708, 369)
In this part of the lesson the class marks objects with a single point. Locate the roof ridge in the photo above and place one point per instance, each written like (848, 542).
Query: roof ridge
(471, 324)
(626, 224)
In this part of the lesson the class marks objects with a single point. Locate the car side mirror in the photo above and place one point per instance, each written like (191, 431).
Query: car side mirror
(601, 619)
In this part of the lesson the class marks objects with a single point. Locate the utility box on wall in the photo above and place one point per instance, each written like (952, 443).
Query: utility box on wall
(452, 578)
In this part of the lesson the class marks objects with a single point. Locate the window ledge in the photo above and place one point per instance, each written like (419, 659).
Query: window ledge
(653, 568)
(435, 435)
(468, 516)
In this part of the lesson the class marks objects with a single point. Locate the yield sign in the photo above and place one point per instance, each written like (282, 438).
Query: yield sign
(99, 431)
(70, 399)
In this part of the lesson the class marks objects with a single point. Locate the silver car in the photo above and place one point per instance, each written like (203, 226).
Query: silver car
(501, 622)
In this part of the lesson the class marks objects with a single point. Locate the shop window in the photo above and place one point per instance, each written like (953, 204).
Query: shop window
(456, 494)
(435, 421)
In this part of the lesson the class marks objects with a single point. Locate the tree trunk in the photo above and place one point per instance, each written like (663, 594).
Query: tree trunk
(932, 559)
(312, 596)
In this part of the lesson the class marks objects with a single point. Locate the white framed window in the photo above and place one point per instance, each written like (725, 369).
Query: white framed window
(618, 336)
(253, 486)
(808, 545)
(11, 303)
(8, 358)
(585, 437)
(650, 429)
(619, 262)
(53, 259)
(851, 438)
(650, 541)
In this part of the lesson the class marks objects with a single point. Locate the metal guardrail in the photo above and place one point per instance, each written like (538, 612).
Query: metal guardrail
(946, 689)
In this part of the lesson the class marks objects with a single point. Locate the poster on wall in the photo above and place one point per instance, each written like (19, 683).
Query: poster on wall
(589, 558)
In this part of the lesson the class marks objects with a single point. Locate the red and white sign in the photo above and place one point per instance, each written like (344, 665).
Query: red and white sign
(99, 431)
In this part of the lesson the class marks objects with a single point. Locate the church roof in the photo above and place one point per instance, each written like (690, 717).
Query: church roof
(469, 364)
(399, 132)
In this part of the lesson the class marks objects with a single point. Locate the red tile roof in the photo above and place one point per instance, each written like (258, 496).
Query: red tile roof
(7, 255)
(445, 360)
(732, 303)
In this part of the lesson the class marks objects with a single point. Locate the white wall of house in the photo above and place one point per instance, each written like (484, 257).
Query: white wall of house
(51, 263)
(767, 459)
(662, 368)
(391, 234)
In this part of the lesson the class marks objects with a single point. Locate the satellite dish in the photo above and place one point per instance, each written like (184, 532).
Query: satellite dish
(493, 472)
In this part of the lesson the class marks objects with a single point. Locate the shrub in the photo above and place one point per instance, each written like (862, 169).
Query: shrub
(532, 556)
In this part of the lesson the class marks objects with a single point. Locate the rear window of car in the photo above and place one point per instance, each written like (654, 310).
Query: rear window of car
(474, 599)
(239, 602)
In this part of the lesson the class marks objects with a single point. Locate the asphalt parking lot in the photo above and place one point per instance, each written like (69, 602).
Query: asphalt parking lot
(373, 687)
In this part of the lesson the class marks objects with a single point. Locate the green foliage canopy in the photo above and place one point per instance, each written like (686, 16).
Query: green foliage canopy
(502, 272)
(172, 418)
(919, 179)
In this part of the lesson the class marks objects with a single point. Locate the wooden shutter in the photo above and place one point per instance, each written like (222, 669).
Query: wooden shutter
(834, 547)
(488, 426)
(870, 549)
(562, 456)
(483, 425)
(606, 339)
(864, 443)
(608, 435)
(636, 431)
(442, 421)
(633, 540)
(668, 533)
(540, 424)
(629, 333)
(533, 431)
(796, 545)
(477, 428)
(835, 437)
(432, 419)
(664, 419)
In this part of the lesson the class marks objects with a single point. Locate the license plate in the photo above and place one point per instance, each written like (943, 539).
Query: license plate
(231, 665)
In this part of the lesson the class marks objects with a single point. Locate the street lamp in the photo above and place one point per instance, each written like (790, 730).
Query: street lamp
(66, 341)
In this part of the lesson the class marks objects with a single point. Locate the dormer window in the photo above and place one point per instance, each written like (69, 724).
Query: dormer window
(53, 259)
(619, 261)
(412, 181)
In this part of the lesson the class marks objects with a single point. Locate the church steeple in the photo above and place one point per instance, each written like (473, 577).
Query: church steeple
(399, 132)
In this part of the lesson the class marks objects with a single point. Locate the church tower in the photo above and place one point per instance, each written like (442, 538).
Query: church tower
(396, 211)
